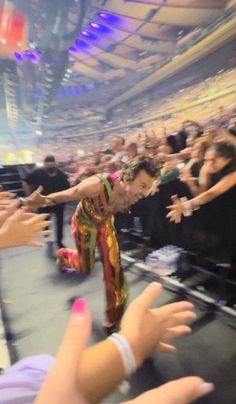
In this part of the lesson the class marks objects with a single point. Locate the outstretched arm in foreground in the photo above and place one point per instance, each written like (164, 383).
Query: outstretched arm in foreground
(22, 228)
(88, 375)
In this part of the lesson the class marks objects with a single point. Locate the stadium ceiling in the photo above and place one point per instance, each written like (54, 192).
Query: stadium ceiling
(99, 53)
(122, 43)
(129, 40)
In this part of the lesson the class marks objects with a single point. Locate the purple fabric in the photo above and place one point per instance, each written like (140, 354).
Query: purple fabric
(21, 383)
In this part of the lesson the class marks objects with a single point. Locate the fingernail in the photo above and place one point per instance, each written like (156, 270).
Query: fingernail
(206, 388)
(79, 306)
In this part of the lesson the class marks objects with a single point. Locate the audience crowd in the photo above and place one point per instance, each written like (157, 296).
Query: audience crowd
(210, 103)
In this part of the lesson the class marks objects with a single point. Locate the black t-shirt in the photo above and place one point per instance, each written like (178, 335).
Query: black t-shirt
(50, 184)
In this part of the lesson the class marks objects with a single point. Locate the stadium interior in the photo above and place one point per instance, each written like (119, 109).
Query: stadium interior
(77, 77)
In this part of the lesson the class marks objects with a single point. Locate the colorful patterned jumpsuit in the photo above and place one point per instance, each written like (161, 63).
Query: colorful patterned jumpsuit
(91, 227)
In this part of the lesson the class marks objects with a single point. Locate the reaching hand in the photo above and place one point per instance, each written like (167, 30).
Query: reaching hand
(6, 195)
(162, 157)
(186, 176)
(149, 330)
(7, 206)
(7, 210)
(222, 135)
(182, 391)
(36, 200)
(168, 166)
(176, 210)
(22, 228)
(61, 385)
(155, 187)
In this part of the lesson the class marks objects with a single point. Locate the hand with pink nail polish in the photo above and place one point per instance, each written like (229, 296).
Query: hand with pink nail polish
(95, 371)
(61, 385)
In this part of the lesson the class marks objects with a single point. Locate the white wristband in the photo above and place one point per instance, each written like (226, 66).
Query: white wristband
(126, 352)
(186, 206)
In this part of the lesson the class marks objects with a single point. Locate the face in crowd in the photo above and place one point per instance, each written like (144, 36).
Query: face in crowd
(216, 161)
(117, 144)
(132, 150)
(50, 167)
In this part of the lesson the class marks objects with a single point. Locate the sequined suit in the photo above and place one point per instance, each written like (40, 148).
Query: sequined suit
(92, 226)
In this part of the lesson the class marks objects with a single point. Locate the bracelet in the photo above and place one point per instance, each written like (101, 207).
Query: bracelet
(126, 353)
(195, 207)
(186, 206)
(23, 202)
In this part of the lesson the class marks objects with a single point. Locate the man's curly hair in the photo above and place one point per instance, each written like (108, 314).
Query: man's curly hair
(133, 167)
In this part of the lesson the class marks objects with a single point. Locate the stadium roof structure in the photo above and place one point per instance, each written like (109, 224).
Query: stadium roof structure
(96, 54)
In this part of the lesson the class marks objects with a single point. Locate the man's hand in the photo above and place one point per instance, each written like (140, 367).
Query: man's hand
(36, 200)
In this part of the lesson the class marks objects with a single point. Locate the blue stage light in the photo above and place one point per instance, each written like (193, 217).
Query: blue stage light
(18, 57)
(82, 44)
(73, 49)
(30, 55)
(89, 35)
(100, 27)
(110, 18)
(95, 25)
